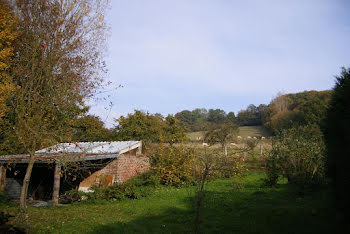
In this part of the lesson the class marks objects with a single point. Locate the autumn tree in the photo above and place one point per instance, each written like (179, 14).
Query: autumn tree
(290, 110)
(57, 66)
(8, 34)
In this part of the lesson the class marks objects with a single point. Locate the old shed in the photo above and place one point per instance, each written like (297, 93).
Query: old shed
(77, 165)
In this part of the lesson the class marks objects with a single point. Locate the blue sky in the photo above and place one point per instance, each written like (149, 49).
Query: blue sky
(227, 54)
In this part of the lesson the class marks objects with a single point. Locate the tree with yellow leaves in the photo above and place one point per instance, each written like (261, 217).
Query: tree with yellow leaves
(57, 66)
(8, 34)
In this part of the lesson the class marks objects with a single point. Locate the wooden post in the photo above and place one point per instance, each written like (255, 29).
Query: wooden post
(139, 149)
(56, 184)
(2, 177)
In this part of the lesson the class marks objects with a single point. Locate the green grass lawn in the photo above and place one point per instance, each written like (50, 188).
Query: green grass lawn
(227, 209)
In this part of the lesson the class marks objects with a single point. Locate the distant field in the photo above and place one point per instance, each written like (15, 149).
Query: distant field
(243, 132)
(253, 131)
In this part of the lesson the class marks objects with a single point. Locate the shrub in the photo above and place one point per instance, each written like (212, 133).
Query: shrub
(298, 154)
(217, 165)
(273, 169)
(121, 191)
(173, 165)
(135, 188)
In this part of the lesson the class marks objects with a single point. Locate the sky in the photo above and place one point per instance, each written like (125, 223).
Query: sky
(172, 55)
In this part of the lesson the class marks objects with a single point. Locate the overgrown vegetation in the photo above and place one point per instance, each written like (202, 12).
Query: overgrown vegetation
(173, 165)
(297, 154)
(250, 209)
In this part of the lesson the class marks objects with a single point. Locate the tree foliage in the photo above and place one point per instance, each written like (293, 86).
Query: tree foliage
(57, 64)
(149, 128)
(222, 134)
(298, 154)
(8, 33)
(90, 128)
(336, 130)
(288, 110)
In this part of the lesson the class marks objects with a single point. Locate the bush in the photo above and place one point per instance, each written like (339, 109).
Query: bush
(217, 165)
(298, 154)
(273, 169)
(173, 165)
(121, 191)
(135, 188)
(228, 166)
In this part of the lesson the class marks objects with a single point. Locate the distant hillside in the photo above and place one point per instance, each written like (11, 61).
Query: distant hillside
(288, 110)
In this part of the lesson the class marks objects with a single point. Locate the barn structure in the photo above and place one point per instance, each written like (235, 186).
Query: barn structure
(78, 165)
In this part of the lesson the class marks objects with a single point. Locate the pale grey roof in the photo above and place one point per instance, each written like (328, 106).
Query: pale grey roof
(105, 147)
(78, 151)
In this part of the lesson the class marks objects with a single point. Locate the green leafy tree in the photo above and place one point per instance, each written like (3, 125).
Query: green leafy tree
(222, 134)
(249, 117)
(336, 130)
(149, 128)
(232, 117)
(185, 118)
(90, 128)
(216, 116)
(139, 126)
(173, 133)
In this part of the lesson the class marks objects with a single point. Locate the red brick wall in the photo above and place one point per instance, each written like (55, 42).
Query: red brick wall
(121, 169)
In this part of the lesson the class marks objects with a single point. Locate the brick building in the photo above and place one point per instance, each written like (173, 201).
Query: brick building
(79, 165)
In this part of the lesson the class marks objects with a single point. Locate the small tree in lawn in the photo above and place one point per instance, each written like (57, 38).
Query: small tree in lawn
(57, 66)
(222, 134)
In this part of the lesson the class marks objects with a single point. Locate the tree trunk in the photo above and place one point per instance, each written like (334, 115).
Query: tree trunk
(2, 177)
(200, 201)
(56, 185)
(26, 180)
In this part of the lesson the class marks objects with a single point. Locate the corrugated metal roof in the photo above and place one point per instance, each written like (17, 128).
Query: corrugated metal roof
(111, 147)
(78, 151)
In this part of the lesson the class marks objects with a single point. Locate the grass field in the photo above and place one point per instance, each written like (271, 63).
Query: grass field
(227, 209)
(244, 131)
